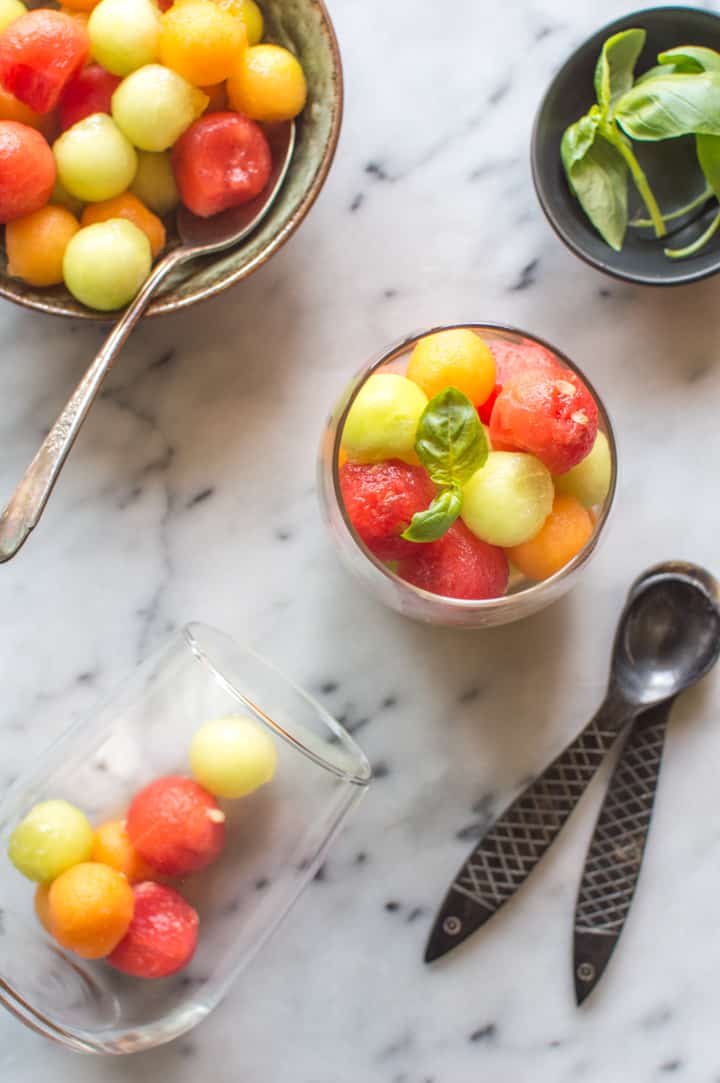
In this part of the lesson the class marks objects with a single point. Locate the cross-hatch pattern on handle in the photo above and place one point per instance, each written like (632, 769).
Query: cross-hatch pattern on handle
(512, 847)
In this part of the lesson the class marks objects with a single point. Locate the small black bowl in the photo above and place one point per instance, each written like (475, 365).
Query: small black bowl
(671, 166)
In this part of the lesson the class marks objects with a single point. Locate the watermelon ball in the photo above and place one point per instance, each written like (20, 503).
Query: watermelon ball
(94, 159)
(39, 54)
(383, 419)
(124, 34)
(232, 757)
(53, 837)
(105, 264)
(88, 92)
(552, 416)
(512, 358)
(485, 411)
(381, 499)
(153, 107)
(162, 936)
(222, 160)
(589, 481)
(458, 565)
(507, 500)
(27, 171)
(176, 825)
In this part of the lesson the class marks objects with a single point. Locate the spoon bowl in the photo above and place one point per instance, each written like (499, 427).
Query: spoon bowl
(668, 636)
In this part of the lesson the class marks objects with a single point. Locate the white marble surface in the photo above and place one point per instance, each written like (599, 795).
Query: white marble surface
(191, 495)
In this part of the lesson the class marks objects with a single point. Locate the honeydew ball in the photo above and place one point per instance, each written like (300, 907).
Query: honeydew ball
(60, 197)
(251, 15)
(154, 106)
(508, 499)
(53, 836)
(10, 10)
(124, 34)
(154, 183)
(106, 264)
(232, 757)
(95, 161)
(589, 481)
(383, 419)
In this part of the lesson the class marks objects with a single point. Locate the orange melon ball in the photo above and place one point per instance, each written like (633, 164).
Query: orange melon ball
(42, 906)
(129, 207)
(565, 532)
(12, 109)
(91, 907)
(112, 846)
(454, 358)
(201, 42)
(268, 84)
(36, 244)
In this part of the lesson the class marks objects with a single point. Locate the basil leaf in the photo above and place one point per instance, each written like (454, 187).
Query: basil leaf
(708, 152)
(652, 73)
(451, 442)
(691, 59)
(670, 106)
(429, 525)
(615, 69)
(598, 177)
(578, 139)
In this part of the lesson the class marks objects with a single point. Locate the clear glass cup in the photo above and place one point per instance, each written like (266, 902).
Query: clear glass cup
(275, 839)
(524, 596)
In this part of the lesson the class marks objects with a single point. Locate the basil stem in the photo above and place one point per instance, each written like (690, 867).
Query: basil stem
(691, 249)
(705, 195)
(642, 184)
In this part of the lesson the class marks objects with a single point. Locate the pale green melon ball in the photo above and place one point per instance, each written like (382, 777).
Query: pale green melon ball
(106, 264)
(60, 197)
(508, 499)
(10, 10)
(154, 105)
(383, 419)
(154, 183)
(53, 836)
(95, 161)
(231, 757)
(589, 481)
(124, 34)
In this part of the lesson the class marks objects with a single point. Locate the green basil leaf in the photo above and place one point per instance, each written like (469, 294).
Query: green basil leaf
(670, 106)
(652, 73)
(451, 442)
(429, 525)
(578, 139)
(598, 177)
(708, 152)
(691, 59)
(615, 69)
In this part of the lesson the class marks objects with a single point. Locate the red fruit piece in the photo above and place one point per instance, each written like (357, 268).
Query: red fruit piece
(485, 411)
(88, 92)
(512, 358)
(176, 825)
(381, 499)
(554, 417)
(221, 161)
(27, 171)
(39, 54)
(459, 565)
(162, 935)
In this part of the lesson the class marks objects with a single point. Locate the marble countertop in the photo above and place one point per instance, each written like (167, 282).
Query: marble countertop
(191, 495)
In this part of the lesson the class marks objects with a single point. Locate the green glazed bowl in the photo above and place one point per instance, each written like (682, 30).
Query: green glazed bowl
(303, 26)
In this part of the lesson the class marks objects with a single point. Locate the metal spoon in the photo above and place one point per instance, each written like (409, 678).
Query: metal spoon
(616, 850)
(668, 638)
(198, 237)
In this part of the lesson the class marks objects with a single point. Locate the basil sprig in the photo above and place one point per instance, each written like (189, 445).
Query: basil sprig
(451, 444)
(680, 96)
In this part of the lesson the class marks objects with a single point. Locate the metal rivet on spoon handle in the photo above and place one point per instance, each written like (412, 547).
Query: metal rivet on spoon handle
(198, 237)
(646, 669)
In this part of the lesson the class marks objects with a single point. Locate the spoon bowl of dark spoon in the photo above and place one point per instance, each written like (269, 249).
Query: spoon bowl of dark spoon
(198, 237)
(668, 638)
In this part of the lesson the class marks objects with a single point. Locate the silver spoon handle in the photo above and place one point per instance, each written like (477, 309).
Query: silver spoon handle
(28, 501)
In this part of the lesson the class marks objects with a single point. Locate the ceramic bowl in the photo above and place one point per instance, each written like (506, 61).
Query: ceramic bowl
(672, 166)
(304, 26)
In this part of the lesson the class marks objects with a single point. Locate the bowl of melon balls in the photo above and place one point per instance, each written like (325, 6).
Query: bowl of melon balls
(467, 475)
(113, 113)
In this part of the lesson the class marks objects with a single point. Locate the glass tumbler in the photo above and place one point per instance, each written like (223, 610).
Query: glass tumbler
(275, 839)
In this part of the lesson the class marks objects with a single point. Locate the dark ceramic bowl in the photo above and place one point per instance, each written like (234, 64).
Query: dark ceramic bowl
(305, 27)
(671, 166)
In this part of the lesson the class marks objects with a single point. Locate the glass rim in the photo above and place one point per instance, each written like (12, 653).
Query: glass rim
(471, 605)
(361, 775)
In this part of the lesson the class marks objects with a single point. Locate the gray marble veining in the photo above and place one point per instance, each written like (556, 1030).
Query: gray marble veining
(191, 495)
